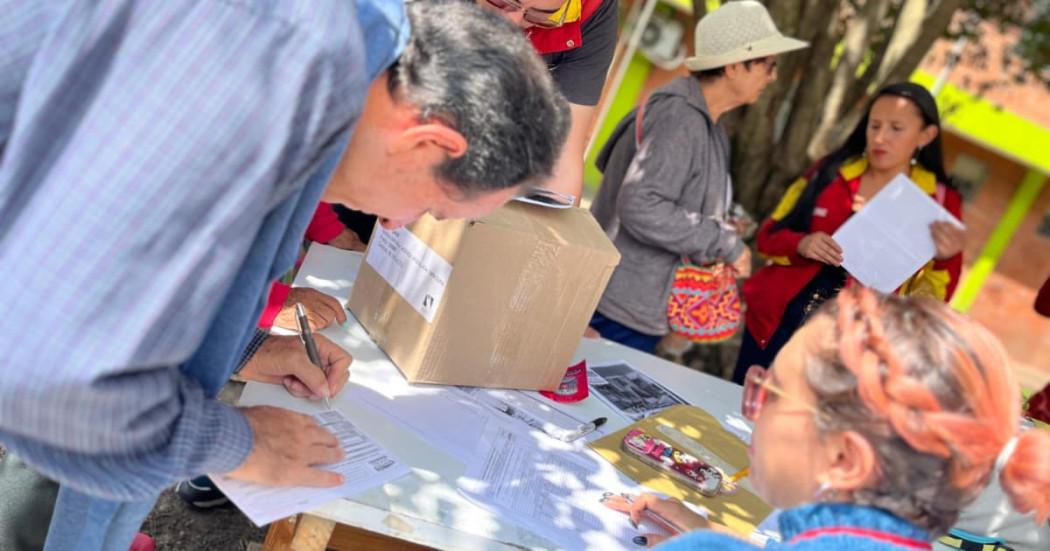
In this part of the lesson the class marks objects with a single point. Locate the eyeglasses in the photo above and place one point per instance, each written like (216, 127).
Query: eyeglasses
(757, 387)
(770, 62)
(540, 18)
(547, 198)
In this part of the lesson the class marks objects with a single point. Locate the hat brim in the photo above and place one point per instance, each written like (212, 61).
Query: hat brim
(774, 45)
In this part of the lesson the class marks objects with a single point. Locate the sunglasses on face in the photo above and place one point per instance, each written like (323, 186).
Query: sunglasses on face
(757, 386)
(537, 17)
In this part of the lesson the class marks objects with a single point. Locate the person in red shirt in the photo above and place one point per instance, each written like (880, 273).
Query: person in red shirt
(321, 309)
(577, 39)
(1038, 405)
(1042, 299)
(900, 133)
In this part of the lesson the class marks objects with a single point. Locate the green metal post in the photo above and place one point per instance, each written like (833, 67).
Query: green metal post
(1031, 186)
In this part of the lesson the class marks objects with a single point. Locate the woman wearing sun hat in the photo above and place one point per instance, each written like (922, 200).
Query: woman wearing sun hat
(666, 188)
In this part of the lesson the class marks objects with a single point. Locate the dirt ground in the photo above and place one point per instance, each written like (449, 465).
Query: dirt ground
(176, 527)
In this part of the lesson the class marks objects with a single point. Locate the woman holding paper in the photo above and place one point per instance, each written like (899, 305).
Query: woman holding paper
(883, 418)
(899, 134)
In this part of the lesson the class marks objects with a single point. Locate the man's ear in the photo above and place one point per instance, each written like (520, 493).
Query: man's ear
(431, 134)
(852, 463)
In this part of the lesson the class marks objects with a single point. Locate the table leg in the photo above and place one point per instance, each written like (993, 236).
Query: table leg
(301, 533)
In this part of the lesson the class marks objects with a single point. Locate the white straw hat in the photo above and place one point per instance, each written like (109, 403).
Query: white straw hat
(738, 31)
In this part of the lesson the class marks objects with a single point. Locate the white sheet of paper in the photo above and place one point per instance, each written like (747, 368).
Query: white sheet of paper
(435, 415)
(365, 466)
(889, 239)
(550, 489)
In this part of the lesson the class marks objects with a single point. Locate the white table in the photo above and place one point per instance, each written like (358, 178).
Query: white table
(425, 507)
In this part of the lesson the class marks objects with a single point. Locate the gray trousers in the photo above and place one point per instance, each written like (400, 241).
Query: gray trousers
(28, 500)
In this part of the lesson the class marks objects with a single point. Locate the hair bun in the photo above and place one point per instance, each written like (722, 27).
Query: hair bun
(1025, 475)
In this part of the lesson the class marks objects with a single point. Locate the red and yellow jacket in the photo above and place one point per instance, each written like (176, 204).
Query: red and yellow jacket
(569, 36)
(769, 290)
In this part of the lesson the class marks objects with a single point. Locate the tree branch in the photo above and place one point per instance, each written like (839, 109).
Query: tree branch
(908, 45)
(855, 45)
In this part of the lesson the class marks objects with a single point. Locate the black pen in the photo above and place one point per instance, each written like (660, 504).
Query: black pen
(307, 337)
(585, 429)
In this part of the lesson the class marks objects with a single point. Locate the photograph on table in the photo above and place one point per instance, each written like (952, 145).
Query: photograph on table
(630, 392)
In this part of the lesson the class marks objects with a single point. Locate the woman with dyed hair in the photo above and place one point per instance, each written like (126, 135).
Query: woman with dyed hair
(882, 418)
(899, 134)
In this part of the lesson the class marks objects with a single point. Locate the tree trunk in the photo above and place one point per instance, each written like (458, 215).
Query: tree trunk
(699, 10)
(919, 32)
(855, 44)
(790, 157)
(754, 140)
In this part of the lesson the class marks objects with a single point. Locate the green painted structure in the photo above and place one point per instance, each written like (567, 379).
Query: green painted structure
(1010, 136)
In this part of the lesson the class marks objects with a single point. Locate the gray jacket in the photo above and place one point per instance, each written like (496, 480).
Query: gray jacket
(663, 200)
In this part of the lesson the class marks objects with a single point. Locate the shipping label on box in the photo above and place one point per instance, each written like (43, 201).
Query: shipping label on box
(410, 267)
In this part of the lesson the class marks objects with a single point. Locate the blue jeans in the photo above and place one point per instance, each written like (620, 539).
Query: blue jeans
(617, 332)
(81, 521)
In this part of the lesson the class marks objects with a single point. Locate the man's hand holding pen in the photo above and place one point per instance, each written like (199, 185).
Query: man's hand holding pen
(282, 360)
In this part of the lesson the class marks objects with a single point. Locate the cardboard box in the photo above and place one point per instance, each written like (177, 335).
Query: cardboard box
(500, 302)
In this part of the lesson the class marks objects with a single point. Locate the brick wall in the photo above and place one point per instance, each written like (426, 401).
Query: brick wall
(1004, 304)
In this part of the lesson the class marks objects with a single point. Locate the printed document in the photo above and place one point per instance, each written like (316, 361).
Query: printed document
(889, 239)
(550, 489)
(365, 466)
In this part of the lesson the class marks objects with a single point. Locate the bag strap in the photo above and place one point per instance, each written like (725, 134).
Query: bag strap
(638, 123)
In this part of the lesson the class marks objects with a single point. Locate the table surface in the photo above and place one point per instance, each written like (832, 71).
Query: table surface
(424, 507)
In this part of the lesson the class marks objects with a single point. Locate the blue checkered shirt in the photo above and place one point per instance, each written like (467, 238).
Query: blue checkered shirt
(159, 163)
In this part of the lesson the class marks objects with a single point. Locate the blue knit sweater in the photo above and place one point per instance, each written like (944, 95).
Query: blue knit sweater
(821, 526)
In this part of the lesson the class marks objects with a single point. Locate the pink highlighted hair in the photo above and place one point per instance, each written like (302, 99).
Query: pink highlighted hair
(933, 392)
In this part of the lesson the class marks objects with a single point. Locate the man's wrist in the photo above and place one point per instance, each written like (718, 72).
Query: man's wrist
(258, 339)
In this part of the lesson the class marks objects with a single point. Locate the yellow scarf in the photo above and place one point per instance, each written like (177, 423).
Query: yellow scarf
(572, 10)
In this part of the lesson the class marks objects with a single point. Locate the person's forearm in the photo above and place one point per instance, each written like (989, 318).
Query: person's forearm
(184, 435)
(568, 172)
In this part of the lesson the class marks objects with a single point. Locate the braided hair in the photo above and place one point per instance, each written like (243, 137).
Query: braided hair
(933, 394)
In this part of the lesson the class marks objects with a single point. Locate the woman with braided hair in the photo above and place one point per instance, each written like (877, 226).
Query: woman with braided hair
(884, 416)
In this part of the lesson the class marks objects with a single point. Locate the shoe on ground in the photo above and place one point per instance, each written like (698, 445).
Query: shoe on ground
(201, 493)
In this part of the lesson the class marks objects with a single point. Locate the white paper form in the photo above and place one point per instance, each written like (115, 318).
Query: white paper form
(365, 466)
(438, 416)
(549, 489)
(412, 268)
(889, 239)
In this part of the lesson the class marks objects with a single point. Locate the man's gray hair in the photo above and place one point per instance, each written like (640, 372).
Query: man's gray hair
(478, 74)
